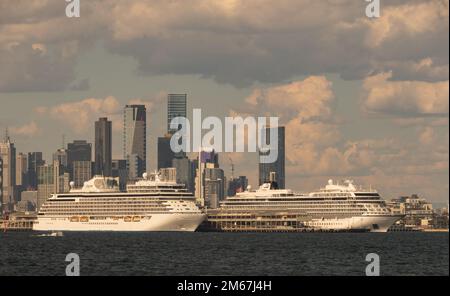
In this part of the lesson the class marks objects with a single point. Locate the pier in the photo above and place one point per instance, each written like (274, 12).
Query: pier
(17, 223)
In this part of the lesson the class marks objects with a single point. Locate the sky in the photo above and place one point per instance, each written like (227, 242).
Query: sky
(361, 98)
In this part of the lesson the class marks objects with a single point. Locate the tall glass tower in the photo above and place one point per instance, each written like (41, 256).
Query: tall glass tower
(176, 107)
(275, 170)
(8, 176)
(103, 147)
(135, 139)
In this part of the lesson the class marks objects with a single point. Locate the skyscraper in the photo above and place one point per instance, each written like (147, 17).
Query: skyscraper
(8, 156)
(214, 186)
(208, 177)
(79, 150)
(176, 107)
(34, 160)
(135, 139)
(51, 179)
(61, 156)
(21, 170)
(119, 170)
(79, 155)
(185, 172)
(165, 153)
(103, 147)
(81, 171)
(278, 166)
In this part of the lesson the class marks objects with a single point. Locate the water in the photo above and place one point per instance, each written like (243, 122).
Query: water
(225, 253)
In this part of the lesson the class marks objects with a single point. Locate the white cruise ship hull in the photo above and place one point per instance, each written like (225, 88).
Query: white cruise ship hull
(182, 222)
(372, 223)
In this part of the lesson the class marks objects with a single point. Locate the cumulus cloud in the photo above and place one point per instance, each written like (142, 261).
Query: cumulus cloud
(407, 98)
(29, 129)
(316, 145)
(238, 42)
(80, 115)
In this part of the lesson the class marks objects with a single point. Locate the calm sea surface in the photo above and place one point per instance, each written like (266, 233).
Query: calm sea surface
(225, 253)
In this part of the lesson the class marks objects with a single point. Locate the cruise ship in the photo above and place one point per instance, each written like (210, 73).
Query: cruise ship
(150, 204)
(333, 208)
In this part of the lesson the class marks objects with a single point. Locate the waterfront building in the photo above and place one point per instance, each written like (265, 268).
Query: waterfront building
(135, 139)
(103, 147)
(278, 166)
(418, 213)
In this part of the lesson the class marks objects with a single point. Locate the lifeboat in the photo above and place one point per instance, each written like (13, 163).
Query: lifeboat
(75, 219)
(128, 219)
(136, 219)
(84, 219)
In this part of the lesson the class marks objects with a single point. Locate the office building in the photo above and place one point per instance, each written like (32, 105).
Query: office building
(79, 156)
(208, 160)
(22, 170)
(81, 172)
(34, 160)
(185, 172)
(165, 153)
(214, 184)
(79, 150)
(278, 166)
(119, 170)
(8, 178)
(103, 147)
(176, 107)
(135, 139)
(51, 179)
(62, 157)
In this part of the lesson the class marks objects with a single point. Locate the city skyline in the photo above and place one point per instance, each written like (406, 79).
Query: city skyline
(359, 97)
